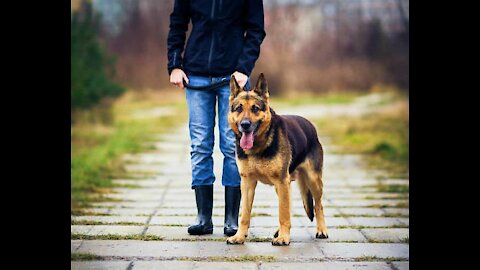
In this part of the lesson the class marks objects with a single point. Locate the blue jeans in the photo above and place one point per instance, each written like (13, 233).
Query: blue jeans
(201, 114)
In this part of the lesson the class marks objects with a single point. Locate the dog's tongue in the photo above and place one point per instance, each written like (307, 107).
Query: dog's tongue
(246, 142)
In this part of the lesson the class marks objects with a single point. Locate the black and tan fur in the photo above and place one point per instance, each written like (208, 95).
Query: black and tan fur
(285, 149)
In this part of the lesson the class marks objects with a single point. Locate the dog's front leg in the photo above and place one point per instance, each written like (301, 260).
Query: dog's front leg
(247, 187)
(283, 192)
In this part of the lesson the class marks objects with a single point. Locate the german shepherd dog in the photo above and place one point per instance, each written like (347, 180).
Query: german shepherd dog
(275, 150)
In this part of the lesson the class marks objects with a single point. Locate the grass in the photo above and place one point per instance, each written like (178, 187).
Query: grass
(375, 258)
(381, 137)
(405, 240)
(92, 222)
(260, 215)
(245, 258)
(363, 215)
(75, 256)
(82, 212)
(393, 188)
(116, 237)
(370, 227)
(312, 98)
(101, 135)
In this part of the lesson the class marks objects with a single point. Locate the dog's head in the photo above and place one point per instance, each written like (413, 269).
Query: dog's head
(249, 114)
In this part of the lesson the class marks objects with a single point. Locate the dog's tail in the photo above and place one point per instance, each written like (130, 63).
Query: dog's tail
(306, 198)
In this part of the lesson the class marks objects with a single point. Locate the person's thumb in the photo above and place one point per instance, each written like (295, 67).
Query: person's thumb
(185, 77)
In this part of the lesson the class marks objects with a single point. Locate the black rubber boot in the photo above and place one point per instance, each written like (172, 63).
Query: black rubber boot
(204, 198)
(232, 204)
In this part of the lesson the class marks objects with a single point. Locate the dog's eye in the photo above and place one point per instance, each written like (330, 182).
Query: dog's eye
(239, 109)
(255, 109)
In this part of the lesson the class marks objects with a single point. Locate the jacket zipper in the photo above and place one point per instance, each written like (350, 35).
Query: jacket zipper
(212, 14)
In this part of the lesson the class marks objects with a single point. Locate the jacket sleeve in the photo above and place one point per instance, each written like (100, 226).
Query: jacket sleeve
(255, 33)
(179, 20)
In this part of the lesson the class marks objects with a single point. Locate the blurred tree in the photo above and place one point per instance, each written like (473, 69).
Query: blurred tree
(92, 69)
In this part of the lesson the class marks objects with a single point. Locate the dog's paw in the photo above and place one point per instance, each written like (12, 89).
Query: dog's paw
(236, 240)
(281, 241)
(321, 235)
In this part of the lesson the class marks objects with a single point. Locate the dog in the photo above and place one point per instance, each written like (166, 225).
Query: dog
(275, 150)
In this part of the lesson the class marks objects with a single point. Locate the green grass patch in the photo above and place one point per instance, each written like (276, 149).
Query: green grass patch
(381, 137)
(396, 197)
(76, 256)
(370, 227)
(92, 222)
(375, 258)
(363, 215)
(260, 215)
(393, 188)
(259, 239)
(405, 240)
(329, 98)
(116, 237)
(99, 141)
(245, 258)
(82, 212)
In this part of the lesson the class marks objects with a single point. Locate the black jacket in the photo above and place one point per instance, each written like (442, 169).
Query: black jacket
(225, 37)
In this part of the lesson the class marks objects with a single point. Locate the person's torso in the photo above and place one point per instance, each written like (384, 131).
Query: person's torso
(216, 40)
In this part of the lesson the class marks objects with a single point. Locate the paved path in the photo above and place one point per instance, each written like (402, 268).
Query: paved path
(368, 229)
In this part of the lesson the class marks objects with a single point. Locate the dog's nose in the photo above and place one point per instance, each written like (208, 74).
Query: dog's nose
(245, 124)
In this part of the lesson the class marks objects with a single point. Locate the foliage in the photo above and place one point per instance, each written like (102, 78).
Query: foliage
(92, 68)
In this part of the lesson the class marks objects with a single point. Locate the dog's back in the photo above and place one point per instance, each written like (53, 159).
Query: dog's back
(303, 140)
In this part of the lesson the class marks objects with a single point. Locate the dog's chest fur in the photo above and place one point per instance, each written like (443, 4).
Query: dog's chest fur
(267, 169)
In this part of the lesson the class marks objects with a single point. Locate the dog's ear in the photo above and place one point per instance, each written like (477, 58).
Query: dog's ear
(261, 88)
(234, 87)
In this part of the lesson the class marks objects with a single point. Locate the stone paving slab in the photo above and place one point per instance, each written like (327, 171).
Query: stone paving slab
(297, 234)
(296, 251)
(374, 221)
(355, 250)
(175, 233)
(393, 234)
(106, 229)
(144, 205)
(401, 265)
(360, 203)
(189, 265)
(360, 211)
(404, 211)
(328, 212)
(339, 235)
(186, 265)
(112, 219)
(131, 211)
(274, 203)
(362, 196)
(99, 265)
(326, 266)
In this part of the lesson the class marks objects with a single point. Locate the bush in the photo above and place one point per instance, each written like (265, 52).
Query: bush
(92, 69)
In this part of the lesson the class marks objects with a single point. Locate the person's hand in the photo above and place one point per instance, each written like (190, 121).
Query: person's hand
(177, 76)
(241, 78)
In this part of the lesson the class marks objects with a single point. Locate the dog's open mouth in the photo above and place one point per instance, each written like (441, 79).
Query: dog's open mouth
(246, 142)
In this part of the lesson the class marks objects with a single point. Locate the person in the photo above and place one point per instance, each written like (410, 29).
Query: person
(225, 40)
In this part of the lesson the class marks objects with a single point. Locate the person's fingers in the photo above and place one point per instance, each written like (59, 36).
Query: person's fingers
(185, 77)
